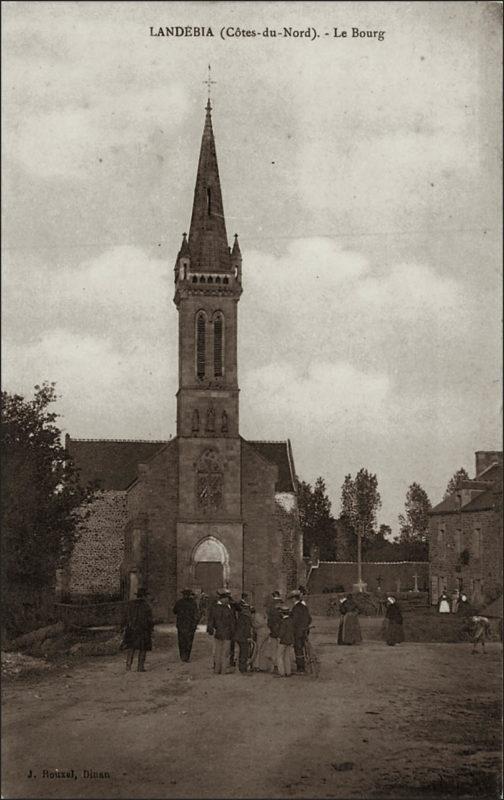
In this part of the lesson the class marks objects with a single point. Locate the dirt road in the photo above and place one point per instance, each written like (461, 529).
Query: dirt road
(417, 720)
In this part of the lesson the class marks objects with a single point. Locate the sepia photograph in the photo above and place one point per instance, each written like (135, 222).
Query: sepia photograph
(251, 433)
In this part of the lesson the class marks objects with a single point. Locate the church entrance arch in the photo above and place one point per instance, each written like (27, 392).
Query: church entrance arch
(210, 565)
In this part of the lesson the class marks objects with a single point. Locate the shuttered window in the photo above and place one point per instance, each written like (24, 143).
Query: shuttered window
(200, 346)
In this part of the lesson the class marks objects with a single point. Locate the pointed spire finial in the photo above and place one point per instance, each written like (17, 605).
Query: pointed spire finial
(209, 82)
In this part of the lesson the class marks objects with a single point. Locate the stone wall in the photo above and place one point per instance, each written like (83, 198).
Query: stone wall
(95, 564)
(262, 556)
(152, 503)
(287, 520)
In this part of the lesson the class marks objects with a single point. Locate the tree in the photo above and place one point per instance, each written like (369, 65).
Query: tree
(360, 501)
(414, 524)
(40, 493)
(455, 481)
(317, 523)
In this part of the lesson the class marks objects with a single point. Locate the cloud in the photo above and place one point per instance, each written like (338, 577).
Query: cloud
(335, 394)
(68, 142)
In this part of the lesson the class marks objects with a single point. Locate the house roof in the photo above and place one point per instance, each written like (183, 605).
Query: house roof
(111, 463)
(278, 453)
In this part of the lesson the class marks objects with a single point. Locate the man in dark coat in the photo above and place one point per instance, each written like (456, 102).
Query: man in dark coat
(243, 633)
(186, 611)
(221, 625)
(138, 631)
(301, 620)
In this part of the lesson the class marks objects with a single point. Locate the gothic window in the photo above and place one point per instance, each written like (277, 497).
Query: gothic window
(218, 346)
(200, 345)
(210, 420)
(224, 423)
(209, 481)
(195, 421)
(209, 201)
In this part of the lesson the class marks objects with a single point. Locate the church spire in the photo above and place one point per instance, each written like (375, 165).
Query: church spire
(207, 234)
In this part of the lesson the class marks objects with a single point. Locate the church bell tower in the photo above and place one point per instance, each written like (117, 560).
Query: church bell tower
(208, 285)
(207, 289)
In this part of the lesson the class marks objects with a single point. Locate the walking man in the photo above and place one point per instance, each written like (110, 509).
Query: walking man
(186, 612)
(301, 620)
(221, 625)
(138, 630)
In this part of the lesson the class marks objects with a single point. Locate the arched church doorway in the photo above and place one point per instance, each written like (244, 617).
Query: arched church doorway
(210, 565)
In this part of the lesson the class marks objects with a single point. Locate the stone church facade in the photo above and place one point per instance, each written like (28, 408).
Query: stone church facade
(206, 508)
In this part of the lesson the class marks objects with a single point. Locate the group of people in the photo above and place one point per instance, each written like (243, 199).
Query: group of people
(476, 625)
(267, 641)
(349, 631)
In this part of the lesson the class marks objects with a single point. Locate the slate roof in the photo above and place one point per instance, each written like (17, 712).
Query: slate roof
(483, 501)
(111, 462)
(278, 453)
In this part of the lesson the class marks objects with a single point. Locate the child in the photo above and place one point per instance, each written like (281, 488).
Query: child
(285, 643)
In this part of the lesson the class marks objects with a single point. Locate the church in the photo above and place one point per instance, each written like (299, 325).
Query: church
(206, 508)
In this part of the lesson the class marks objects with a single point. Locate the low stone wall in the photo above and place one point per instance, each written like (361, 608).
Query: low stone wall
(84, 616)
(392, 576)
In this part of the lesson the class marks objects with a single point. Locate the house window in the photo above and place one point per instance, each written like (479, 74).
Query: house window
(200, 345)
(219, 346)
(458, 541)
(441, 541)
(477, 543)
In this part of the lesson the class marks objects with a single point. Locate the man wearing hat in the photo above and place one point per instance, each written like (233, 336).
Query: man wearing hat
(138, 631)
(221, 625)
(301, 619)
(274, 619)
(186, 612)
(243, 633)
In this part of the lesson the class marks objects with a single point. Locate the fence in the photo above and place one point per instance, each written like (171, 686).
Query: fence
(92, 614)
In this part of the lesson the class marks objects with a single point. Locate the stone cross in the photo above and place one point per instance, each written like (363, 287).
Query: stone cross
(209, 82)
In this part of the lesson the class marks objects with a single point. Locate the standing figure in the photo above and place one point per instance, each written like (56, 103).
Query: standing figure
(301, 619)
(202, 606)
(285, 643)
(455, 601)
(481, 632)
(444, 603)
(186, 611)
(261, 631)
(221, 625)
(274, 619)
(465, 608)
(138, 630)
(350, 627)
(394, 633)
(243, 633)
(342, 611)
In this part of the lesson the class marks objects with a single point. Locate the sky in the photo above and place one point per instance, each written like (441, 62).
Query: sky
(362, 176)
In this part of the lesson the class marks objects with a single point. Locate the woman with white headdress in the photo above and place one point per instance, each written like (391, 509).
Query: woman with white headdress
(394, 633)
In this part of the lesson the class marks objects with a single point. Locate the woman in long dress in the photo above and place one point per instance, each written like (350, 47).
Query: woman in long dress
(349, 631)
(394, 633)
(444, 603)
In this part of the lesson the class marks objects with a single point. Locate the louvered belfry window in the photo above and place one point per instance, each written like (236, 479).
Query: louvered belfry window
(218, 346)
(200, 345)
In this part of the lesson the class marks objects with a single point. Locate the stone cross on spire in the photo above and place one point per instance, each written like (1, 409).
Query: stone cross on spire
(209, 82)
